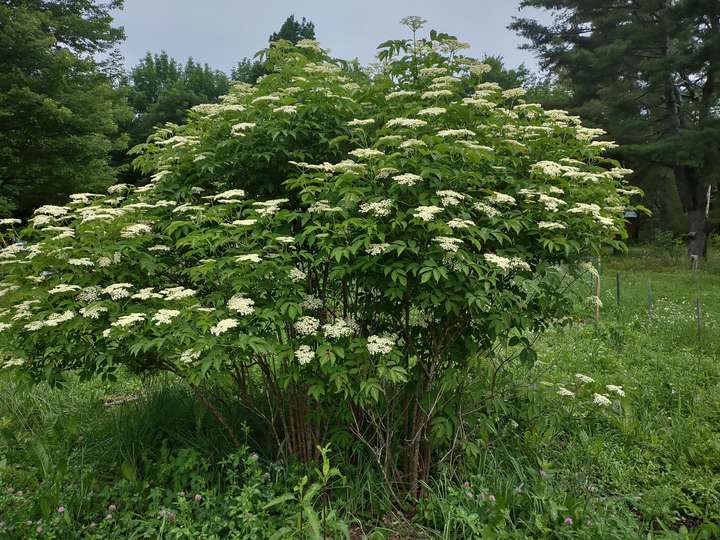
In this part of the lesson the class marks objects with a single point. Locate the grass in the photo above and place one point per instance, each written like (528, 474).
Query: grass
(539, 465)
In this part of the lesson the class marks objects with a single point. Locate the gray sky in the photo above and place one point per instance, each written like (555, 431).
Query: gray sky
(220, 32)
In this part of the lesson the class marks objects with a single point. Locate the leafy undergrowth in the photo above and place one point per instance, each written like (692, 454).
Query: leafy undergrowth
(144, 459)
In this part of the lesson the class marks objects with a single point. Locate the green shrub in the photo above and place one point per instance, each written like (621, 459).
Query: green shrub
(426, 222)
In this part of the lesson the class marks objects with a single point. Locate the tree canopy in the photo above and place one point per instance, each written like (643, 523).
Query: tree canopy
(250, 70)
(649, 73)
(162, 90)
(59, 109)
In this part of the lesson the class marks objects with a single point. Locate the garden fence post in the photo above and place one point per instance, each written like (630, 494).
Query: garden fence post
(597, 298)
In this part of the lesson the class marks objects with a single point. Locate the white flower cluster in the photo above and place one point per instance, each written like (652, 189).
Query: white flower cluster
(551, 204)
(135, 229)
(177, 293)
(339, 329)
(54, 319)
(188, 356)
(378, 208)
(227, 195)
(146, 294)
(486, 209)
(93, 312)
(304, 354)
(312, 302)
(584, 378)
(223, 326)
(366, 122)
(297, 275)
(434, 71)
(458, 223)
(268, 208)
(241, 304)
(501, 198)
(585, 208)
(426, 213)
(323, 206)
(411, 143)
(449, 197)
(240, 128)
(432, 94)
(165, 316)
(448, 243)
(377, 249)
(129, 320)
(13, 362)
(551, 225)
(399, 94)
(306, 326)
(406, 122)
(601, 400)
(287, 109)
(432, 111)
(456, 133)
(63, 288)
(565, 392)
(407, 179)
(265, 99)
(366, 153)
(378, 345)
(505, 263)
(248, 257)
(514, 93)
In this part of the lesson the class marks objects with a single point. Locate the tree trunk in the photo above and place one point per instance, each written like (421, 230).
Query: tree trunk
(693, 193)
(699, 232)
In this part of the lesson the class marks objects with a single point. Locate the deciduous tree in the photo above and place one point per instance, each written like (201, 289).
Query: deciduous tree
(59, 107)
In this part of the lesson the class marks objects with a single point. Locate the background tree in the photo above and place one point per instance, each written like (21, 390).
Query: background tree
(59, 108)
(250, 70)
(162, 90)
(293, 30)
(648, 71)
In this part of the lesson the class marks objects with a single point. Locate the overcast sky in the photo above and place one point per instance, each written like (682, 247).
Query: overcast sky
(220, 32)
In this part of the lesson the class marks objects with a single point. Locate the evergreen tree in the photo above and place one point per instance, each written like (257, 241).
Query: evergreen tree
(249, 70)
(293, 30)
(648, 71)
(59, 107)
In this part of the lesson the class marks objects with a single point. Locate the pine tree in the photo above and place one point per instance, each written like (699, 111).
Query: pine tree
(292, 30)
(648, 71)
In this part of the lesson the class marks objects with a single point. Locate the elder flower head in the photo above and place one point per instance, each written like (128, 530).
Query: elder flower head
(601, 400)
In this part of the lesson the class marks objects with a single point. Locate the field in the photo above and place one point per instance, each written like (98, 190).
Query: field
(144, 459)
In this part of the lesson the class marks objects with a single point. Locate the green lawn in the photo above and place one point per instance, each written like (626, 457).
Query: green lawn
(645, 466)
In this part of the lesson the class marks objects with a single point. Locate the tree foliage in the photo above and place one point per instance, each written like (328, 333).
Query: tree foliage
(415, 231)
(58, 107)
(293, 30)
(162, 91)
(250, 70)
(649, 72)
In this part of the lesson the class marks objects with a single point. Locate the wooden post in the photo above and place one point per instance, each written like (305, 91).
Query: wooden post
(698, 316)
